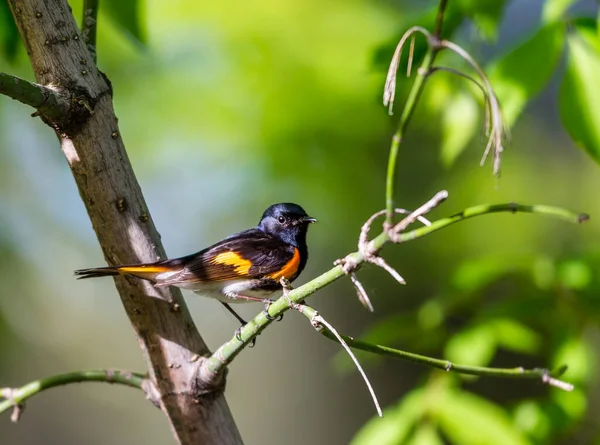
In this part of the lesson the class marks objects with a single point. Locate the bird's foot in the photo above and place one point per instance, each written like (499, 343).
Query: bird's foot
(238, 336)
(268, 302)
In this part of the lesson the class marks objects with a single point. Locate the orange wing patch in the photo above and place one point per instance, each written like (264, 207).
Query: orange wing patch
(241, 265)
(290, 268)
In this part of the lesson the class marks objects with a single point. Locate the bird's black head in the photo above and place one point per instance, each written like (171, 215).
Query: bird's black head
(287, 221)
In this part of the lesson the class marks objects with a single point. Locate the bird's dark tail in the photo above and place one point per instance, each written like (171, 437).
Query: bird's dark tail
(97, 272)
(144, 271)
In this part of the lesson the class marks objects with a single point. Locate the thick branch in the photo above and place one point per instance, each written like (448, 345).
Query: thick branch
(16, 396)
(94, 150)
(43, 99)
(215, 364)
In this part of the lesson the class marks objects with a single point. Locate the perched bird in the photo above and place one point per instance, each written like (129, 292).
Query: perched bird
(247, 266)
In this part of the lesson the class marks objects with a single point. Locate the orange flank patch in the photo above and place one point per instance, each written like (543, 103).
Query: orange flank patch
(290, 268)
(144, 269)
(241, 265)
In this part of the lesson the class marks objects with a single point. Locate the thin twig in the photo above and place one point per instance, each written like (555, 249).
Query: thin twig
(499, 131)
(389, 90)
(89, 25)
(316, 320)
(15, 397)
(551, 381)
(370, 255)
(461, 74)
(411, 55)
(486, 101)
(363, 238)
(437, 199)
(439, 20)
(378, 261)
(363, 297)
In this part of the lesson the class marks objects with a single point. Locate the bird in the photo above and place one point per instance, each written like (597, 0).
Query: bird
(247, 266)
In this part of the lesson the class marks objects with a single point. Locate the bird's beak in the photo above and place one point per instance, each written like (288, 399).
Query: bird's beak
(309, 219)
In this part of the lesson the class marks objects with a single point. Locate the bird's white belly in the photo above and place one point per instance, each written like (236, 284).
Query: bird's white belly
(226, 291)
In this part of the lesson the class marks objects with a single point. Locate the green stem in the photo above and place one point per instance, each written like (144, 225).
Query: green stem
(16, 396)
(407, 112)
(439, 20)
(37, 96)
(409, 107)
(229, 350)
(444, 365)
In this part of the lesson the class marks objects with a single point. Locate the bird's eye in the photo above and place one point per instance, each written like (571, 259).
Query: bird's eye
(281, 219)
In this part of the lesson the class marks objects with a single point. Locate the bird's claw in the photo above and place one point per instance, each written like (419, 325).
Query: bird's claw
(238, 336)
(268, 303)
(238, 333)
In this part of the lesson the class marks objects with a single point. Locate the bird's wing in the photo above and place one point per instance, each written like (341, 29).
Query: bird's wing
(249, 254)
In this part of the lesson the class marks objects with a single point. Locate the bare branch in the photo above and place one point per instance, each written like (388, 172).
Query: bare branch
(378, 261)
(414, 216)
(363, 297)
(370, 255)
(549, 380)
(363, 238)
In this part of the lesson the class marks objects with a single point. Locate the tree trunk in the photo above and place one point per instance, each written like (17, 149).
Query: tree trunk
(91, 141)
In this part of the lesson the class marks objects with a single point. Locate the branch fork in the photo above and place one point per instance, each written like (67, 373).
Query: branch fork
(370, 253)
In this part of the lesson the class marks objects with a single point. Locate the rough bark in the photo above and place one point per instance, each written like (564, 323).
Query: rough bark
(90, 139)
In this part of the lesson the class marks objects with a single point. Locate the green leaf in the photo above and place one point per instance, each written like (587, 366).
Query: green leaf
(467, 419)
(521, 74)
(126, 13)
(486, 14)
(426, 434)
(578, 356)
(460, 120)
(530, 418)
(543, 273)
(397, 423)
(475, 346)
(575, 274)
(574, 404)
(515, 336)
(9, 34)
(554, 10)
(431, 315)
(471, 276)
(580, 90)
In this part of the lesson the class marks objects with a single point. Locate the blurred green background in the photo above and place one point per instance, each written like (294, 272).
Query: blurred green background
(227, 107)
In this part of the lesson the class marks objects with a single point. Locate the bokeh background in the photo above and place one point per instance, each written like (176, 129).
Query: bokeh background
(226, 107)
